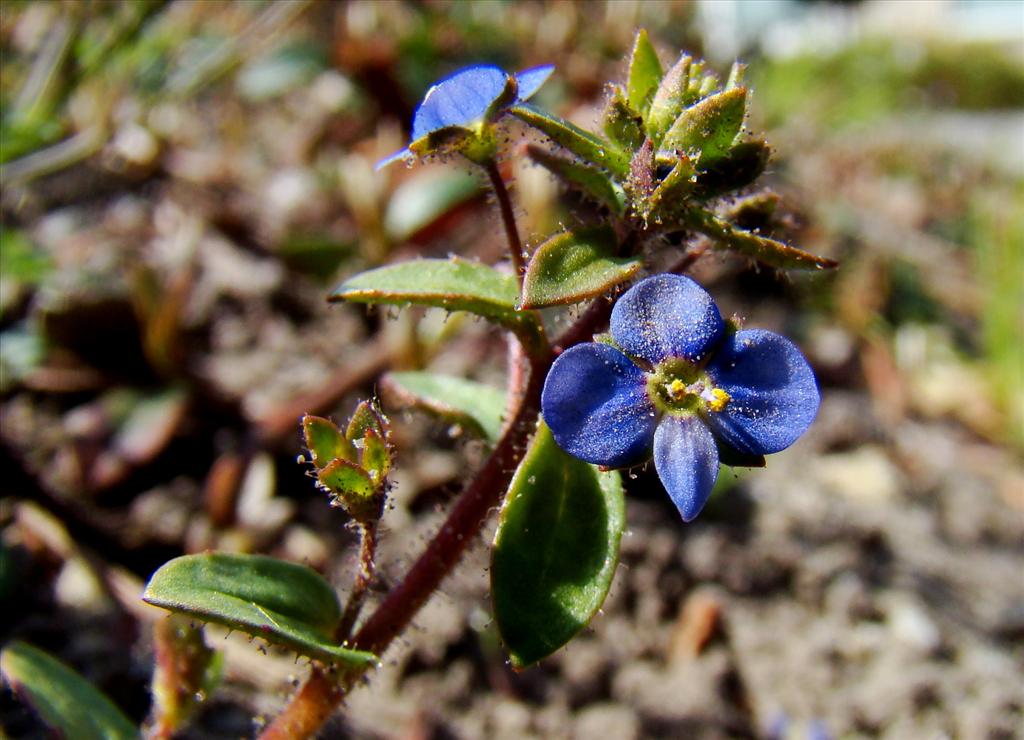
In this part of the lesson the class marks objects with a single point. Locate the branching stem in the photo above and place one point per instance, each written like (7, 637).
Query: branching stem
(317, 699)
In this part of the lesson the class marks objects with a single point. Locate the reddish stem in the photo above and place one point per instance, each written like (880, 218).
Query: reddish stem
(515, 247)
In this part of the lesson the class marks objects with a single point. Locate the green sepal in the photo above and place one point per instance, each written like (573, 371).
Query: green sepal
(478, 144)
(710, 126)
(584, 144)
(454, 284)
(64, 700)
(573, 266)
(761, 248)
(352, 489)
(283, 603)
(672, 96)
(586, 178)
(555, 550)
(622, 125)
(325, 441)
(644, 74)
(365, 418)
(477, 408)
(375, 457)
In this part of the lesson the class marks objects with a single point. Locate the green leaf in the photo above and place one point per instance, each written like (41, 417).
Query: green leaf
(574, 266)
(621, 124)
(743, 164)
(375, 457)
(426, 197)
(455, 284)
(761, 248)
(644, 73)
(555, 550)
(284, 603)
(325, 441)
(476, 407)
(585, 145)
(346, 480)
(364, 419)
(590, 180)
(672, 96)
(710, 126)
(670, 197)
(65, 701)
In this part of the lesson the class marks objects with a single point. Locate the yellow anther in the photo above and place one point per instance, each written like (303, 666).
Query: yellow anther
(676, 390)
(718, 400)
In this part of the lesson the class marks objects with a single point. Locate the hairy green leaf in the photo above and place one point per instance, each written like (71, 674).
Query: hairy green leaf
(325, 441)
(709, 126)
(585, 145)
(623, 126)
(644, 73)
(586, 178)
(455, 284)
(476, 407)
(284, 603)
(555, 550)
(672, 96)
(761, 248)
(65, 701)
(574, 266)
(365, 418)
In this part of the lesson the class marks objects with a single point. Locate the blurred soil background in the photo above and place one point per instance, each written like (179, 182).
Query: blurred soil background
(183, 183)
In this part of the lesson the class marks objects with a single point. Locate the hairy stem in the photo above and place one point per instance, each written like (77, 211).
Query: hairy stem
(318, 697)
(507, 218)
(367, 553)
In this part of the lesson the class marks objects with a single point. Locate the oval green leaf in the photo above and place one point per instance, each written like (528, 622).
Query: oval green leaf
(555, 550)
(709, 126)
(644, 74)
(284, 603)
(425, 198)
(574, 266)
(671, 97)
(478, 408)
(325, 441)
(585, 145)
(455, 284)
(65, 701)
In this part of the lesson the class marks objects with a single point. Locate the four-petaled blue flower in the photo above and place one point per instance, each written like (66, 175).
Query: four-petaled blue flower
(684, 385)
(458, 104)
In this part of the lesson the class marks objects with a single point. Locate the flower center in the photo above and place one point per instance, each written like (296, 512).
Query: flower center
(679, 387)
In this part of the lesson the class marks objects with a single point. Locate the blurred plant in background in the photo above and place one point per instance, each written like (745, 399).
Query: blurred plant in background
(183, 182)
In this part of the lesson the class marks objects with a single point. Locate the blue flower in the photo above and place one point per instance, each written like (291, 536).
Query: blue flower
(681, 383)
(453, 109)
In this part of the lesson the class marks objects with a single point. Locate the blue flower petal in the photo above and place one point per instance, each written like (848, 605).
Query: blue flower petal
(666, 316)
(530, 80)
(595, 402)
(772, 390)
(459, 100)
(686, 459)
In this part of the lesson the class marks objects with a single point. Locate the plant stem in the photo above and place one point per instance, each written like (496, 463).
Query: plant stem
(318, 697)
(507, 218)
(367, 553)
